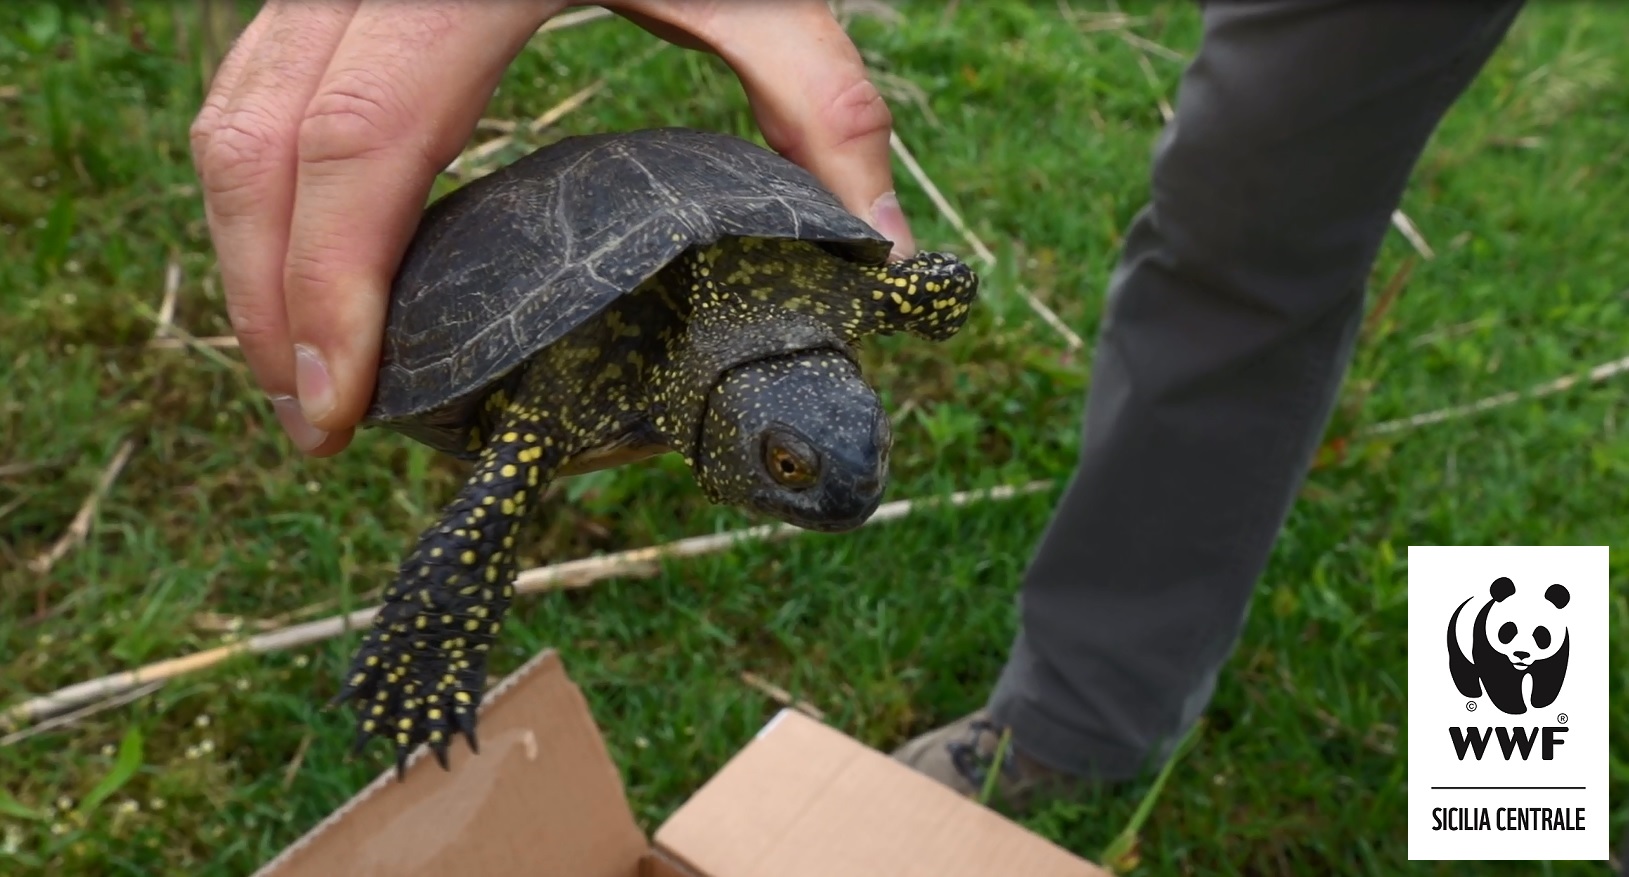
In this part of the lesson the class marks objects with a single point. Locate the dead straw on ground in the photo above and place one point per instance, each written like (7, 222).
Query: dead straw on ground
(570, 574)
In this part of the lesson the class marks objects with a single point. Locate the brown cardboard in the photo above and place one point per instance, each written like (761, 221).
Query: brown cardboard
(544, 799)
(805, 800)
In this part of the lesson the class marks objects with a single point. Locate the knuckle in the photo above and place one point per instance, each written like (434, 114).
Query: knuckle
(856, 112)
(255, 323)
(356, 114)
(310, 267)
(234, 149)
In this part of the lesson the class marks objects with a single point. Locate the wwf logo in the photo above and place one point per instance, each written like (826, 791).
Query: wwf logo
(1517, 635)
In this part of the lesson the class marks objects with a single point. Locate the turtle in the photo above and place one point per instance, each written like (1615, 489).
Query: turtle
(607, 298)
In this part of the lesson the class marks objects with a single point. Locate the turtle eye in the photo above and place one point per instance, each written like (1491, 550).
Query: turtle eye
(790, 462)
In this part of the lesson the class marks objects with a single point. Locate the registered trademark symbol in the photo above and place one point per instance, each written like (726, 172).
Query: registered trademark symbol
(1562, 718)
(1470, 705)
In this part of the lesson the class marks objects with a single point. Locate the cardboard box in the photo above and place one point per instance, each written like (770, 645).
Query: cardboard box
(544, 799)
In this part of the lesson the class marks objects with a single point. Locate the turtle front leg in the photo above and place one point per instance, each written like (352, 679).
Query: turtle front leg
(420, 672)
(928, 295)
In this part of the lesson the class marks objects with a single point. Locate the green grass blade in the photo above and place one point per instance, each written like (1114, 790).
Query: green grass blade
(125, 765)
(1125, 842)
(10, 806)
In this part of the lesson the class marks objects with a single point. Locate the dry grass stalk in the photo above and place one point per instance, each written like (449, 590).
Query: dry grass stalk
(1166, 112)
(570, 574)
(212, 342)
(11, 470)
(1595, 375)
(781, 696)
(1144, 44)
(982, 251)
(172, 289)
(575, 18)
(1404, 225)
(79, 528)
(293, 769)
(90, 709)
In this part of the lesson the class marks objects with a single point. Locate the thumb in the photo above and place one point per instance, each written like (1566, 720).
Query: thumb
(816, 105)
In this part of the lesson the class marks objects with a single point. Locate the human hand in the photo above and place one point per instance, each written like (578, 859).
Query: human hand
(327, 123)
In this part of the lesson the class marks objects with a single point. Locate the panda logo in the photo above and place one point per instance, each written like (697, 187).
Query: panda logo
(1514, 637)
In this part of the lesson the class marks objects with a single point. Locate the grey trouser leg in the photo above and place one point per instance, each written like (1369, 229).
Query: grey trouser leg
(1229, 327)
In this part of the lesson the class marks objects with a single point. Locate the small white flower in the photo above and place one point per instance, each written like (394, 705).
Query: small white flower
(301, 660)
(202, 720)
(155, 803)
(128, 806)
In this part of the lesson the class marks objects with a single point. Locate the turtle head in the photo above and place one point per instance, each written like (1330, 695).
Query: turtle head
(800, 437)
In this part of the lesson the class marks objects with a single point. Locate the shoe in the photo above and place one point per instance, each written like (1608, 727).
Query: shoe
(961, 754)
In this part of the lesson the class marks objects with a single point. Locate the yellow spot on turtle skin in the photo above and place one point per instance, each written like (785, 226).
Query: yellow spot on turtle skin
(472, 625)
(437, 737)
(371, 661)
(434, 715)
(378, 710)
(508, 506)
(405, 724)
(420, 622)
(402, 739)
(510, 437)
(436, 552)
(468, 558)
(509, 470)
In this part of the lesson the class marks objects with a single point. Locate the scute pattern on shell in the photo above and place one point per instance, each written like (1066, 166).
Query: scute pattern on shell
(587, 219)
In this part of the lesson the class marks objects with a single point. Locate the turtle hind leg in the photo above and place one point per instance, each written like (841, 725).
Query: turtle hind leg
(419, 674)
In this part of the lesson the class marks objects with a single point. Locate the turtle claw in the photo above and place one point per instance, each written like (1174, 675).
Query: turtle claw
(466, 726)
(440, 751)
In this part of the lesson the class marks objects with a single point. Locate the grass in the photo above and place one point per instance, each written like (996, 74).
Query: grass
(1038, 129)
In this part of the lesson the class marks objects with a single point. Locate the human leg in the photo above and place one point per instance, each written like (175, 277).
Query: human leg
(1230, 323)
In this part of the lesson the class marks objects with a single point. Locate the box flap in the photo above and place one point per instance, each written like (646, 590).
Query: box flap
(804, 800)
(542, 799)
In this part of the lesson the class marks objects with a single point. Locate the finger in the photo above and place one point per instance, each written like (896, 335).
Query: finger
(815, 104)
(401, 96)
(246, 151)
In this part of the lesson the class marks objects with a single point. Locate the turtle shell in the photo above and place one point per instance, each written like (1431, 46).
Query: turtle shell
(513, 261)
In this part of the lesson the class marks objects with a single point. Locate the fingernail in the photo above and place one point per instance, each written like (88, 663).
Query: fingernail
(889, 220)
(300, 431)
(312, 382)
